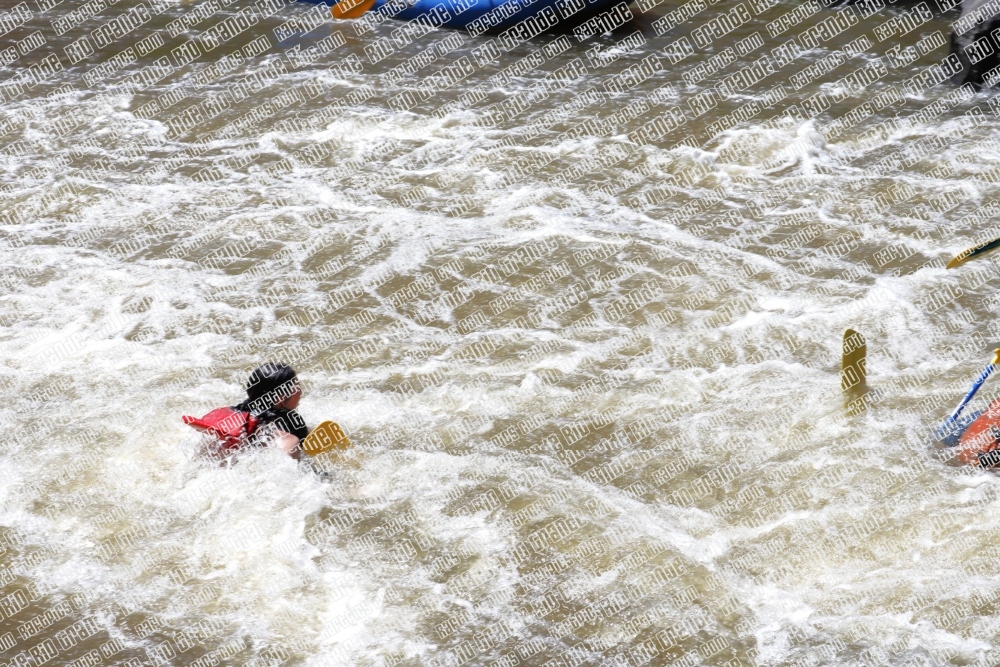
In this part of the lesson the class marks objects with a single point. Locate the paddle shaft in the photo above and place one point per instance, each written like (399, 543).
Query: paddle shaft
(972, 392)
(975, 386)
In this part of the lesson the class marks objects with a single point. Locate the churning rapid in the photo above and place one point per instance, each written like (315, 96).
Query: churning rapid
(576, 302)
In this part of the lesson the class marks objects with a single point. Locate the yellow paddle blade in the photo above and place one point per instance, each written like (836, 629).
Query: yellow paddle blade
(852, 365)
(325, 437)
(351, 9)
(970, 254)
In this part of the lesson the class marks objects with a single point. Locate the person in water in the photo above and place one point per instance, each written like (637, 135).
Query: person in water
(266, 417)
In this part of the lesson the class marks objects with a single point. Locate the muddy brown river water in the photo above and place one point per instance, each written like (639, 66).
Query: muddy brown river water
(578, 305)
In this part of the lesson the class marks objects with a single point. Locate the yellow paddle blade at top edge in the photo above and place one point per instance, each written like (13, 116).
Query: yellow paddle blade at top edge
(351, 9)
(325, 437)
(970, 254)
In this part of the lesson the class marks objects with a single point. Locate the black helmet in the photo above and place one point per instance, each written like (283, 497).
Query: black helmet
(265, 380)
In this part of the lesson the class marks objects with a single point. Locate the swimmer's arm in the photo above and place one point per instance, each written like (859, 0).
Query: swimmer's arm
(287, 443)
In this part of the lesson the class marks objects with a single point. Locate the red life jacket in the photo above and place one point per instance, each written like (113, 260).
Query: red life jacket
(230, 427)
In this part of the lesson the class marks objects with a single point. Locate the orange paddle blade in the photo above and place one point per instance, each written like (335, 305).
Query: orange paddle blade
(325, 437)
(351, 9)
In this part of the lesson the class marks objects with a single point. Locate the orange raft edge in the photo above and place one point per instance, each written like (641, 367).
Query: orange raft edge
(979, 444)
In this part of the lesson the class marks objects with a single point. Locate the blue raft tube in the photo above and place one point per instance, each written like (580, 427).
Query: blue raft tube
(478, 16)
